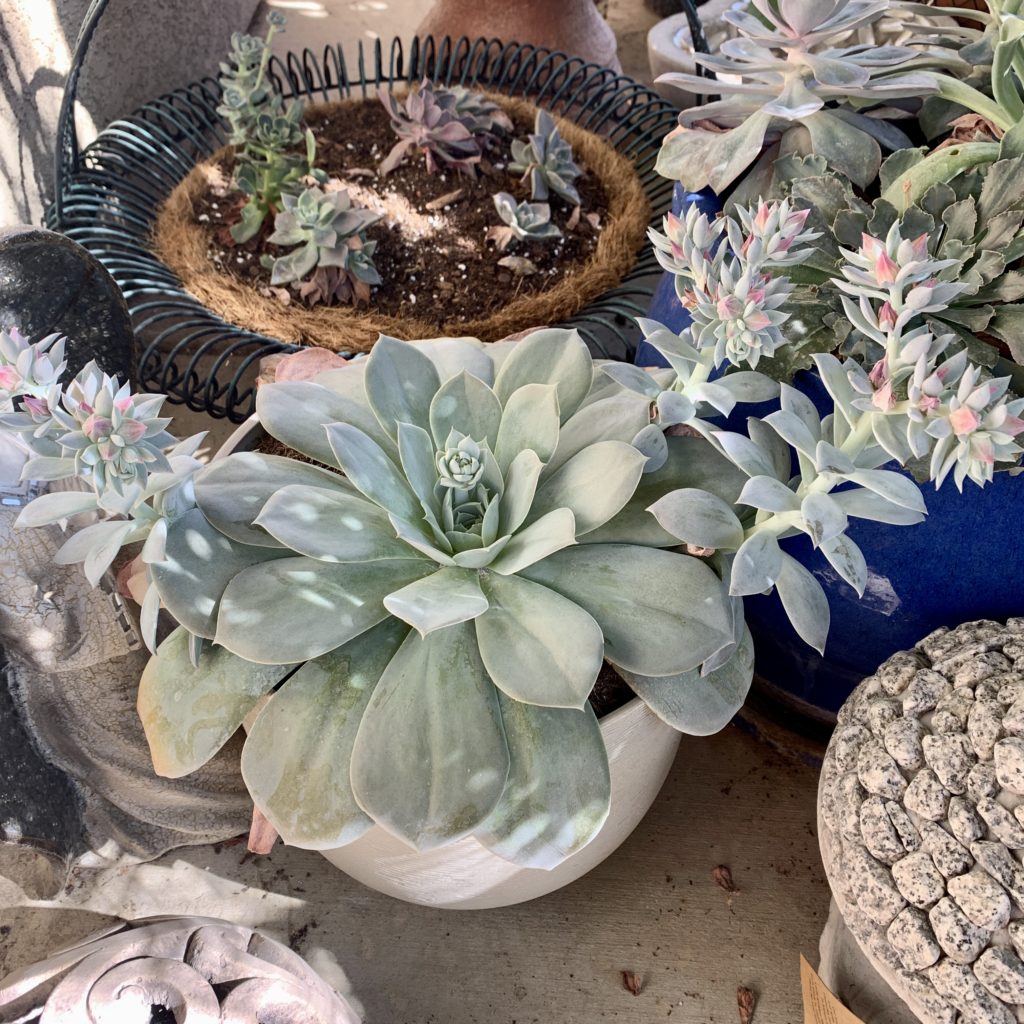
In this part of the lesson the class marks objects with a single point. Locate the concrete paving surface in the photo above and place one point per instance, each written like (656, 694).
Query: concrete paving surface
(652, 908)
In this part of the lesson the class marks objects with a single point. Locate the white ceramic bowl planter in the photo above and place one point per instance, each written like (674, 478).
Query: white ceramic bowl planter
(465, 875)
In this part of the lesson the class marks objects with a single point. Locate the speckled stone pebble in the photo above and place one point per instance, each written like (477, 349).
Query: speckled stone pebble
(982, 899)
(897, 672)
(926, 689)
(950, 715)
(950, 857)
(1016, 930)
(920, 988)
(911, 936)
(1001, 823)
(958, 984)
(1009, 762)
(980, 667)
(848, 740)
(918, 879)
(878, 832)
(902, 739)
(878, 772)
(908, 833)
(987, 689)
(985, 727)
(981, 781)
(1002, 974)
(1012, 689)
(996, 859)
(882, 712)
(937, 644)
(1013, 722)
(877, 896)
(964, 822)
(961, 940)
(983, 639)
(951, 758)
(848, 808)
(927, 796)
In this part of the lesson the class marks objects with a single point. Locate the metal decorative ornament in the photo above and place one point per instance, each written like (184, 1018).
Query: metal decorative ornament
(197, 970)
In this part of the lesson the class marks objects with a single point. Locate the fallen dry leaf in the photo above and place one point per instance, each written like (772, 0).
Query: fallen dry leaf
(446, 200)
(594, 219)
(746, 1001)
(501, 236)
(632, 982)
(574, 219)
(307, 363)
(519, 265)
(722, 877)
(359, 172)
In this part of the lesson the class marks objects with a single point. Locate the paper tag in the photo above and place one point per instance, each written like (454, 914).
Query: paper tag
(820, 1005)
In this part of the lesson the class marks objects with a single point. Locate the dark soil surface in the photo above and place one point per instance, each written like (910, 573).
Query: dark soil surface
(432, 255)
(610, 691)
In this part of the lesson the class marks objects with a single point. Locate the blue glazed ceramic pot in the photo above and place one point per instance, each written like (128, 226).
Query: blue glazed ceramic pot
(966, 561)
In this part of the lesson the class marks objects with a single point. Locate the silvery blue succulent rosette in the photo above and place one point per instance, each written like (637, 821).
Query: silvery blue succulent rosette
(432, 622)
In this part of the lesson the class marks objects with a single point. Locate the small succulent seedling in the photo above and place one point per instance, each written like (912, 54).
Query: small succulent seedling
(272, 151)
(526, 222)
(329, 236)
(546, 159)
(429, 120)
(483, 117)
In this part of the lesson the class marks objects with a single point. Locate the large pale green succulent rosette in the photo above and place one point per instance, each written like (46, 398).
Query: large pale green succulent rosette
(431, 623)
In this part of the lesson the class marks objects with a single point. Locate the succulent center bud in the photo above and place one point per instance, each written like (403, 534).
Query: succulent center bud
(460, 466)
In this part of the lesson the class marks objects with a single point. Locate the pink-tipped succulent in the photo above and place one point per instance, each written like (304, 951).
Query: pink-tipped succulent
(28, 370)
(723, 271)
(427, 122)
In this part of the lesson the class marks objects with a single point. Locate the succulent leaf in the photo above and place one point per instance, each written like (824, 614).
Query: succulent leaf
(424, 773)
(294, 757)
(188, 713)
(541, 820)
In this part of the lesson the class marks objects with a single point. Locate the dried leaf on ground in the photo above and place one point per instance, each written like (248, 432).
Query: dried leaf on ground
(519, 265)
(574, 219)
(632, 982)
(722, 877)
(746, 1001)
(446, 200)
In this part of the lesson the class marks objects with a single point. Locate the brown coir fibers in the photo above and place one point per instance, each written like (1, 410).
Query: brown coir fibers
(185, 245)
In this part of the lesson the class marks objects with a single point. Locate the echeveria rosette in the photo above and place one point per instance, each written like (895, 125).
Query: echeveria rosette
(29, 371)
(546, 159)
(322, 227)
(434, 121)
(433, 620)
(795, 73)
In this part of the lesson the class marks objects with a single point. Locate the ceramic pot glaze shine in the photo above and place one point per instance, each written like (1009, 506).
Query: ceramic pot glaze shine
(964, 562)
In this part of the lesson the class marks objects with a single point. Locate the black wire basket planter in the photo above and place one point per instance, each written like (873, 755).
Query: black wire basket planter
(108, 193)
